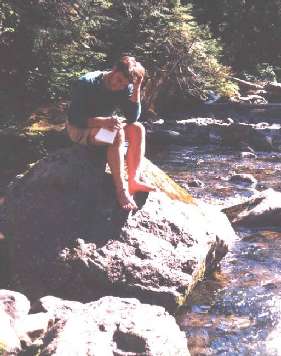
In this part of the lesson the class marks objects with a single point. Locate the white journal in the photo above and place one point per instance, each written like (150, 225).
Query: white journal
(106, 136)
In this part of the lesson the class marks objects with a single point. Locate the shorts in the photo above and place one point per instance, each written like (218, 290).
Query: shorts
(80, 135)
(86, 136)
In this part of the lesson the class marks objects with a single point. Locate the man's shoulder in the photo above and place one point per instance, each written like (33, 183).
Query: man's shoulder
(93, 78)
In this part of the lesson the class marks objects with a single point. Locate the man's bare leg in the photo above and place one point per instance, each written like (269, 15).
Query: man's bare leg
(135, 134)
(115, 159)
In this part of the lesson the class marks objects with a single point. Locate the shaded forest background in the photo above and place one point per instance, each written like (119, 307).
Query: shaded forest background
(189, 48)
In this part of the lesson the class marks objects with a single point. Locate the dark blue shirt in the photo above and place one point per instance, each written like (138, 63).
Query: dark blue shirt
(90, 98)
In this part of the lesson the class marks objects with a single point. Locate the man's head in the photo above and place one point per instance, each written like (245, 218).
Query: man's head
(126, 70)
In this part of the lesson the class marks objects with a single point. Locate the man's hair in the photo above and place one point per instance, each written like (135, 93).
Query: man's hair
(127, 65)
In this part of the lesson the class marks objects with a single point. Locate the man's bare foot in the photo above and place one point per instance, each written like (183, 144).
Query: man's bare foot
(137, 186)
(125, 200)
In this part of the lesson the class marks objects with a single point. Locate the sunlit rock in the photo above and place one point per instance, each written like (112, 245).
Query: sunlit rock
(109, 326)
(13, 308)
(244, 155)
(114, 326)
(264, 209)
(71, 240)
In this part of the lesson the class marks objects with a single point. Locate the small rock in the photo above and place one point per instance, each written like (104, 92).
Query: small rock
(243, 179)
(270, 286)
(244, 147)
(166, 137)
(14, 304)
(215, 136)
(247, 155)
(230, 121)
(195, 183)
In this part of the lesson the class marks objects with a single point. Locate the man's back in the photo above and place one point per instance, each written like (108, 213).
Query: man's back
(91, 98)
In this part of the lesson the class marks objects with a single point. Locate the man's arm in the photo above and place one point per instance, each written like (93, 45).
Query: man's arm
(79, 109)
(106, 122)
(136, 96)
(81, 106)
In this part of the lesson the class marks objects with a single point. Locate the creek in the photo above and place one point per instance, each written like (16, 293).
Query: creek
(236, 311)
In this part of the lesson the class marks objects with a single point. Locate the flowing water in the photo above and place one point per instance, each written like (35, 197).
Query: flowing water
(237, 311)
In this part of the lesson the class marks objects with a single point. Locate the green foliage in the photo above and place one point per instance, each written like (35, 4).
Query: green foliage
(49, 42)
(249, 29)
(176, 52)
(45, 44)
(266, 72)
(263, 72)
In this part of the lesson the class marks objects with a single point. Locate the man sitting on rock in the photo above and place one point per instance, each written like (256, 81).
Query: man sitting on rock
(96, 95)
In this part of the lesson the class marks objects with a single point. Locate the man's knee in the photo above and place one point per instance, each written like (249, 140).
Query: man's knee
(136, 128)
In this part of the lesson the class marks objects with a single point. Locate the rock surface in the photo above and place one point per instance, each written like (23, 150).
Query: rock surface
(114, 326)
(71, 240)
(247, 154)
(14, 304)
(109, 326)
(13, 309)
(264, 209)
(243, 179)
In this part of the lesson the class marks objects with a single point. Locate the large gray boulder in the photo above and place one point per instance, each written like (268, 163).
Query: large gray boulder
(109, 326)
(70, 239)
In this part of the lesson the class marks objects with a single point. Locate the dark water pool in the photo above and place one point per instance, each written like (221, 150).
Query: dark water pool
(238, 310)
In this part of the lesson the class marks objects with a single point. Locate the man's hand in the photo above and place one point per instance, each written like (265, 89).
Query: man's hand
(113, 123)
(108, 122)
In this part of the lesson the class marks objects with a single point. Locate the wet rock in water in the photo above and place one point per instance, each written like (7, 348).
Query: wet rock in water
(167, 137)
(108, 326)
(243, 179)
(71, 239)
(247, 155)
(215, 136)
(260, 136)
(195, 183)
(252, 99)
(264, 209)
(244, 147)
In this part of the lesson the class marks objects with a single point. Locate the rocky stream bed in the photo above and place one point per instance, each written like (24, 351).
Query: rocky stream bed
(122, 271)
